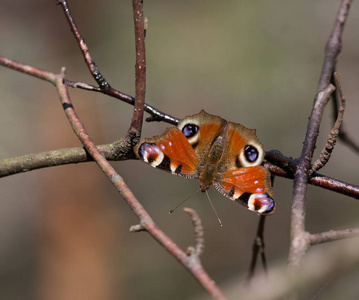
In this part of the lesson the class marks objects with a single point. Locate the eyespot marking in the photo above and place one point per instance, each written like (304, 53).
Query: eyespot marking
(190, 130)
(150, 153)
(261, 203)
(250, 153)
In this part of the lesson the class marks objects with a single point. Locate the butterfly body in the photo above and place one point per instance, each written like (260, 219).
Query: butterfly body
(224, 154)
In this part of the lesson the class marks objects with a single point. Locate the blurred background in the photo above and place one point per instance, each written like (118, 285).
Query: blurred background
(64, 231)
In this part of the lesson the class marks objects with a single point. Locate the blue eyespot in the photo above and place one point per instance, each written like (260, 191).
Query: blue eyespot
(250, 153)
(190, 130)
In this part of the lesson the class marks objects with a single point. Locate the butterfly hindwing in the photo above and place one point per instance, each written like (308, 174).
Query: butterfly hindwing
(248, 186)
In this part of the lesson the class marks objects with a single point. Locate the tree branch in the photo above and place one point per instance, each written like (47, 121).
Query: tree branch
(104, 85)
(145, 220)
(299, 241)
(299, 238)
(333, 235)
(140, 69)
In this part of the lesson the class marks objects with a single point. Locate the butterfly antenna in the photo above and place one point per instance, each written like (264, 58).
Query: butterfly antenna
(172, 210)
(219, 220)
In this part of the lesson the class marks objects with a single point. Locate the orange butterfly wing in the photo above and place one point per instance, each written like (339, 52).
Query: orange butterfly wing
(170, 152)
(242, 178)
(248, 186)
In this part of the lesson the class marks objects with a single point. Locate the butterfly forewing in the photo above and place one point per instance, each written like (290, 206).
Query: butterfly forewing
(170, 152)
(209, 127)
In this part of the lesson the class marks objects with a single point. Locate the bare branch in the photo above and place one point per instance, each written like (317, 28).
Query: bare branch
(156, 114)
(332, 139)
(334, 45)
(258, 247)
(105, 87)
(299, 238)
(27, 69)
(198, 231)
(344, 137)
(299, 241)
(198, 272)
(94, 70)
(333, 235)
(140, 69)
(318, 266)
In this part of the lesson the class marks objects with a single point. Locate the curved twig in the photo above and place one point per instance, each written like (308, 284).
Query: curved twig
(332, 138)
(198, 231)
(104, 85)
(94, 70)
(299, 238)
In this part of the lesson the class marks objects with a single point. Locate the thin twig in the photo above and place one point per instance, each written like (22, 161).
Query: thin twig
(198, 231)
(316, 268)
(104, 85)
(317, 179)
(299, 241)
(94, 70)
(333, 235)
(343, 136)
(140, 69)
(156, 114)
(332, 138)
(258, 247)
(334, 45)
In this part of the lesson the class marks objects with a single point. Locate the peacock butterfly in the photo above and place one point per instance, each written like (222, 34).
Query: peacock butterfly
(223, 154)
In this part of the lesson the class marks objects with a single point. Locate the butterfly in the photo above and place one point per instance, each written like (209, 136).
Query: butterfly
(224, 154)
